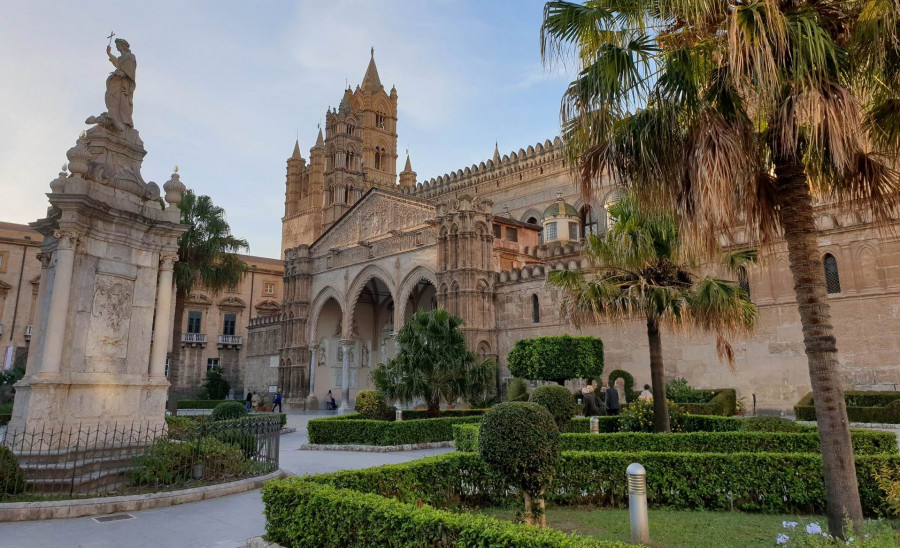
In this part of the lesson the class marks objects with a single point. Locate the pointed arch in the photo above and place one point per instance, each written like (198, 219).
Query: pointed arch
(318, 303)
(366, 274)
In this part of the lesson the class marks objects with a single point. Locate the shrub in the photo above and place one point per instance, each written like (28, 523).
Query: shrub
(416, 414)
(861, 407)
(12, 478)
(465, 437)
(356, 431)
(771, 424)
(216, 386)
(558, 401)
(171, 462)
(557, 358)
(638, 417)
(229, 410)
(888, 480)
(720, 401)
(518, 390)
(371, 405)
(199, 404)
(680, 391)
(300, 512)
(520, 441)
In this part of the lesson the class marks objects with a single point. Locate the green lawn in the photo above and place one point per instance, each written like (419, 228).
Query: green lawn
(679, 528)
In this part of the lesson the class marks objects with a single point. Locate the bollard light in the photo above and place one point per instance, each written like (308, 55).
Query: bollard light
(595, 425)
(398, 416)
(637, 503)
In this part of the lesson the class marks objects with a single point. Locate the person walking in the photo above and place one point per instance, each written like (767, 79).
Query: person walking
(277, 401)
(590, 402)
(612, 400)
(646, 395)
(249, 400)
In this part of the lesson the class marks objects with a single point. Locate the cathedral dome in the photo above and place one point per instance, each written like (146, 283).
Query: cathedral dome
(560, 208)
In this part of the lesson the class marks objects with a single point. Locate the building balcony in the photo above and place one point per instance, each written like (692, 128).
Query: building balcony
(27, 332)
(193, 339)
(226, 341)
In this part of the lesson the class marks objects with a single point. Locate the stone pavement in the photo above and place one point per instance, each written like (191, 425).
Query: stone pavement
(225, 522)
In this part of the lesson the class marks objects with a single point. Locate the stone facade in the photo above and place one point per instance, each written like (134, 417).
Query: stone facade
(479, 241)
(20, 276)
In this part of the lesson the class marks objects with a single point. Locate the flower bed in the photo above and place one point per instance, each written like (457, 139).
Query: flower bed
(865, 442)
(351, 430)
(383, 505)
(878, 407)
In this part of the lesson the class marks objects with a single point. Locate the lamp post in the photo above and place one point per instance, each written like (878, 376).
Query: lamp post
(637, 503)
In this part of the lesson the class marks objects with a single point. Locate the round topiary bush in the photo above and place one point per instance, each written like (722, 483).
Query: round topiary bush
(558, 401)
(371, 405)
(12, 478)
(520, 441)
(229, 410)
(638, 417)
(772, 424)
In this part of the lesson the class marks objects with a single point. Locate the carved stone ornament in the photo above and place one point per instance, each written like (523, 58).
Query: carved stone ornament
(45, 258)
(167, 262)
(67, 239)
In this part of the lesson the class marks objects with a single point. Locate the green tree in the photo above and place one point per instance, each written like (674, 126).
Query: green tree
(638, 271)
(216, 386)
(433, 363)
(748, 110)
(207, 256)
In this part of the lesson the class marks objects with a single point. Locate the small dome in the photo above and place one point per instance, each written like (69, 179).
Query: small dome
(560, 208)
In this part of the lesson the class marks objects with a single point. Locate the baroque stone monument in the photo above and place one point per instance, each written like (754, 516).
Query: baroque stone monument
(107, 257)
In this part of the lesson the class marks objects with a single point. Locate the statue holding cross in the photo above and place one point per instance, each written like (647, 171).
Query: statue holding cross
(120, 84)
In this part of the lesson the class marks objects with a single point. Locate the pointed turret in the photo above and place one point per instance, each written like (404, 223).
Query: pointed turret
(296, 155)
(371, 81)
(407, 176)
(345, 101)
(496, 153)
(319, 141)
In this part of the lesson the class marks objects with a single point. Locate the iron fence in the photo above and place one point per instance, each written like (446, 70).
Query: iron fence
(115, 459)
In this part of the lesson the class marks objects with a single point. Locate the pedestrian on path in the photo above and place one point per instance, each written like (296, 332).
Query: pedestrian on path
(589, 400)
(249, 400)
(612, 400)
(646, 395)
(277, 402)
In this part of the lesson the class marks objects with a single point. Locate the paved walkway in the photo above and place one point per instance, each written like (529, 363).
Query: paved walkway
(225, 522)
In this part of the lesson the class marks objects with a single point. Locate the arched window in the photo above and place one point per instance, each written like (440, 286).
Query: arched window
(350, 129)
(832, 278)
(535, 309)
(532, 220)
(743, 280)
(588, 222)
(346, 195)
(377, 158)
(379, 120)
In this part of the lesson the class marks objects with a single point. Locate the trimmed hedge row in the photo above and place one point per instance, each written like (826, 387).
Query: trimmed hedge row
(300, 512)
(763, 482)
(354, 431)
(415, 414)
(200, 404)
(692, 423)
(724, 403)
(865, 442)
(861, 407)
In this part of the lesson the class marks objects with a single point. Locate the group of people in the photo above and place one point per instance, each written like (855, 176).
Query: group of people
(611, 401)
(276, 403)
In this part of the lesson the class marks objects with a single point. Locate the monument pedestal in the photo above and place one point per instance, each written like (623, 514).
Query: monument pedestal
(107, 258)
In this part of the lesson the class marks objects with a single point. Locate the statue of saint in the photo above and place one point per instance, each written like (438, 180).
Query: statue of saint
(120, 84)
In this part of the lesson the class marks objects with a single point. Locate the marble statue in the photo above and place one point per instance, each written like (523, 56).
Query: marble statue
(364, 359)
(121, 83)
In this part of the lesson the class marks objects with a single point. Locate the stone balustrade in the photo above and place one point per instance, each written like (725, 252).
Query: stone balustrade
(193, 338)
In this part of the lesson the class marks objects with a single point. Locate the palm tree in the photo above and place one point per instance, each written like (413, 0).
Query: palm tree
(207, 257)
(433, 363)
(749, 110)
(638, 271)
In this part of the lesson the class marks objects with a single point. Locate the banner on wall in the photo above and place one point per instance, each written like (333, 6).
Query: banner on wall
(8, 357)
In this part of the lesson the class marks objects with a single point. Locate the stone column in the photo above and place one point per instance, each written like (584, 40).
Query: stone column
(345, 374)
(313, 354)
(163, 310)
(40, 305)
(58, 312)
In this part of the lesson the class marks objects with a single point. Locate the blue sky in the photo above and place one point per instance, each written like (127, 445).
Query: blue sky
(223, 88)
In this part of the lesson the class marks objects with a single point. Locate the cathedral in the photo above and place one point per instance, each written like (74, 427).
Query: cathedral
(365, 247)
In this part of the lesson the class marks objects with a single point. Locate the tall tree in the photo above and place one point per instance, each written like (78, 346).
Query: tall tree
(745, 111)
(638, 270)
(434, 363)
(207, 257)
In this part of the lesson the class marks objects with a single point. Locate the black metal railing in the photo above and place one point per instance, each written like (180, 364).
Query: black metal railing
(115, 459)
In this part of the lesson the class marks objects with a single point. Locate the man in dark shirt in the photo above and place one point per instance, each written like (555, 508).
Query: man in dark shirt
(612, 400)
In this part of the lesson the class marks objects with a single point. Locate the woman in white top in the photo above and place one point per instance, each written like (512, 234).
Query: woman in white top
(646, 394)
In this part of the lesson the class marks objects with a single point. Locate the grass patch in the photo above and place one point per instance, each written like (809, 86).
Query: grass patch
(680, 528)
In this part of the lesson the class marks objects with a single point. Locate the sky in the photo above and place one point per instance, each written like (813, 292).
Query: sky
(224, 88)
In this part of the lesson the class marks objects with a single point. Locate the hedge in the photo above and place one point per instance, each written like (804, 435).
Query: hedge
(724, 403)
(200, 404)
(692, 423)
(300, 512)
(784, 483)
(5, 418)
(862, 406)
(355, 431)
(865, 442)
(556, 358)
(413, 414)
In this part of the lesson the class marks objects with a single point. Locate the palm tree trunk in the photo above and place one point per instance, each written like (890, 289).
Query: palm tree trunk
(842, 491)
(175, 359)
(434, 407)
(658, 378)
